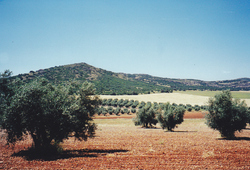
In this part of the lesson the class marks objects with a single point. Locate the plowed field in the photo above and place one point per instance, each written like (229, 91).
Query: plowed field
(121, 145)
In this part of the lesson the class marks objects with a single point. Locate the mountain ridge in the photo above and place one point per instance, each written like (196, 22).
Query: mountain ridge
(108, 82)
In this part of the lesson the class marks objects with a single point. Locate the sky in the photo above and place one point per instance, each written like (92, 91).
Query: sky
(206, 40)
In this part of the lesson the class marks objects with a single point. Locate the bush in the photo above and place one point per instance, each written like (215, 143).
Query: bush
(49, 113)
(156, 106)
(104, 111)
(120, 103)
(226, 115)
(189, 109)
(133, 110)
(110, 110)
(141, 105)
(125, 102)
(99, 110)
(149, 104)
(197, 108)
(108, 103)
(161, 106)
(126, 111)
(171, 116)
(135, 104)
(129, 103)
(104, 102)
(114, 102)
(146, 117)
(117, 110)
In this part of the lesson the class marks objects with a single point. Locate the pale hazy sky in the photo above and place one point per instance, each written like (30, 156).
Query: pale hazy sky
(193, 39)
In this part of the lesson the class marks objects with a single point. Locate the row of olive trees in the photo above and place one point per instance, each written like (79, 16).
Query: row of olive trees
(111, 110)
(46, 112)
(113, 106)
(136, 104)
(120, 103)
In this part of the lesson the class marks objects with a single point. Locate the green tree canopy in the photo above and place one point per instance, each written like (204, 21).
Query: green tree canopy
(146, 117)
(49, 114)
(227, 115)
(171, 116)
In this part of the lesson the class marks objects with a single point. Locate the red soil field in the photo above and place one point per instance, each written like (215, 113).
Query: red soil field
(187, 115)
(123, 146)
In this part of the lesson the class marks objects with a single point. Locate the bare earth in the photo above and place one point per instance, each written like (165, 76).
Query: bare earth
(177, 98)
(121, 145)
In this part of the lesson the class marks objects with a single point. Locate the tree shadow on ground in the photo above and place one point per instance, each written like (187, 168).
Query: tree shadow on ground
(31, 154)
(236, 138)
(176, 131)
(150, 127)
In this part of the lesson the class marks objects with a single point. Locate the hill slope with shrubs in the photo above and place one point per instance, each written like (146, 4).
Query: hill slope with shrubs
(107, 82)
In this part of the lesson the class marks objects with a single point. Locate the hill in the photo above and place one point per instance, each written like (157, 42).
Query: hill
(108, 82)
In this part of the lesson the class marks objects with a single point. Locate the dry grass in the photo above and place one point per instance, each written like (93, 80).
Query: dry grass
(164, 98)
(176, 97)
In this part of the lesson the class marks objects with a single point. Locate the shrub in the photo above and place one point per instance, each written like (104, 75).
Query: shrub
(161, 106)
(197, 108)
(120, 103)
(141, 105)
(104, 111)
(146, 117)
(126, 111)
(108, 103)
(104, 102)
(182, 105)
(129, 103)
(125, 102)
(226, 115)
(99, 110)
(117, 110)
(189, 109)
(149, 104)
(110, 110)
(133, 110)
(114, 102)
(156, 106)
(171, 116)
(135, 104)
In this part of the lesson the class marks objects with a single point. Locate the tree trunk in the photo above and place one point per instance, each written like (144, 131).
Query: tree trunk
(41, 141)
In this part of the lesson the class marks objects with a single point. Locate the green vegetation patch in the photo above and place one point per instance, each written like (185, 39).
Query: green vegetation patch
(235, 94)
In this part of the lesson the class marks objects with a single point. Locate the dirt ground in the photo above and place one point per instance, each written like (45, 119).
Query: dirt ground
(187, 115)
(121, 145)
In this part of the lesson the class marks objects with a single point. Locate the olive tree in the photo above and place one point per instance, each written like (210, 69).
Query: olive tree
(129, 103)
(49, 114)
(135, 104)
(227, 115)
(110, 110)
(117, 110)
(171, 116)
(146, 116)
(7, 86)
